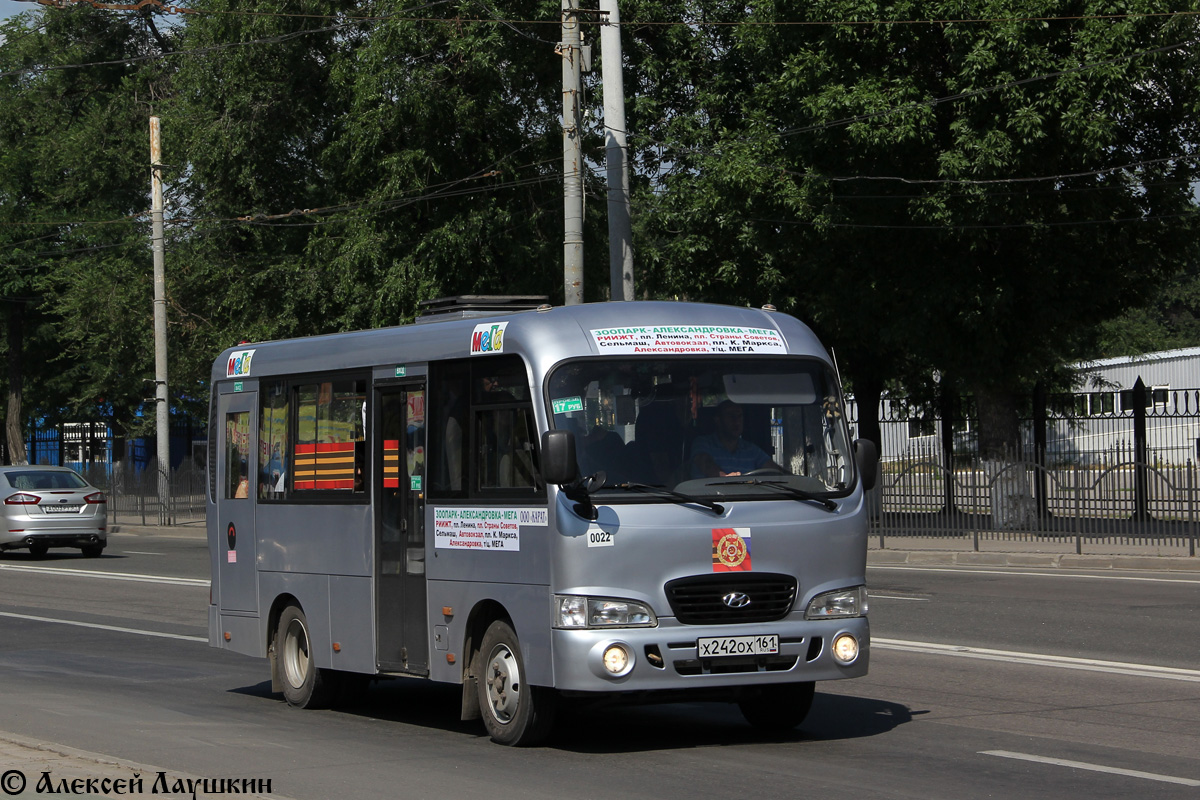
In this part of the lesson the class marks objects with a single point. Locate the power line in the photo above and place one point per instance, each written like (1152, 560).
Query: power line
(979, 226)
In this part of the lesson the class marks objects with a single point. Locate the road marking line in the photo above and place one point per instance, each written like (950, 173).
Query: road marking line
(1039, 659)
(1055, 573)
(874, 596)
(141, 553)
(99, 627)
(109, 576)
(1061, 762)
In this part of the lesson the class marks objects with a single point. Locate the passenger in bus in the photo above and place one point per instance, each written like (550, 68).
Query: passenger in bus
(724, 452)
(243, 486)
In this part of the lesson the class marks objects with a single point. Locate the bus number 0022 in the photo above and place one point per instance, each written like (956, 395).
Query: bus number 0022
(600, 539)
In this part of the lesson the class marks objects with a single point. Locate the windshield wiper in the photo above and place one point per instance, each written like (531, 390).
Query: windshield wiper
(677, 497)
(780, 486)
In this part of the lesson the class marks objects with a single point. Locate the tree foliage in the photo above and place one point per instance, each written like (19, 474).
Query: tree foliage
(73, 182)
(971, 197)
(931, 192)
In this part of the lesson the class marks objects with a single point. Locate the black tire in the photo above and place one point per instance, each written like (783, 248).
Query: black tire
(39, 549)
(515, 713)
(779, 707)
(92, 550)
(304, 684)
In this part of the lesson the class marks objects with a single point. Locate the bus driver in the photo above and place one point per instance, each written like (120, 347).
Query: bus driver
(724, 452)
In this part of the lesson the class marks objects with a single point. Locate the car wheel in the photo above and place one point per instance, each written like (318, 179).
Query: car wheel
(304, 684)
(92, 550)
(39, 549)
(514, 712)
(779, 707)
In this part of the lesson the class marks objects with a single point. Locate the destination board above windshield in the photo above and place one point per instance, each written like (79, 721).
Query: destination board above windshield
(658, 339)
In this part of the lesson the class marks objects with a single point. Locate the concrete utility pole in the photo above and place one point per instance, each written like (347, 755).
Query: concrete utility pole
(163, 429)
(620, 232)
(572, 56)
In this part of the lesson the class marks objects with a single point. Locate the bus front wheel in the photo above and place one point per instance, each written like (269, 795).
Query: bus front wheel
(777, 708)
(304, 684)
(514, 712)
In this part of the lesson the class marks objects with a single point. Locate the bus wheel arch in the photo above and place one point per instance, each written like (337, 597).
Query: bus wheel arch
(277, 607)
(514, 712)
(481, 617)
(303, 683)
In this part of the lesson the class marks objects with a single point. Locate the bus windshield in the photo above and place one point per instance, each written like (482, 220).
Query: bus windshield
(745, 428)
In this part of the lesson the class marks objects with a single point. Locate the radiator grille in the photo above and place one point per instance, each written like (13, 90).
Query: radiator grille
(699, 600)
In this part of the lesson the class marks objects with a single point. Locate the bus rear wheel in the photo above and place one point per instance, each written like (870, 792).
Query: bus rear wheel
(304, 684)
(777, 708)
(514, 712)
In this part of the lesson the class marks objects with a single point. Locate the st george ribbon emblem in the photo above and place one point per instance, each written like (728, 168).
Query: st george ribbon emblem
(731, 550)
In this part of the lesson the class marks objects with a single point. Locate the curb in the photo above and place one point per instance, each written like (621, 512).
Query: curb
(930, 558)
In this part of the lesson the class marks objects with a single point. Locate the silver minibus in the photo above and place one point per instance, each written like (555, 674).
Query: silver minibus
(630, 502)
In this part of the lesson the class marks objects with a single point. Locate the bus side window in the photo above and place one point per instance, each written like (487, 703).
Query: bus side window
(237, 455)
(449, 428)
(273, 442)
(505, 449)
(329, 453)
(481, 433)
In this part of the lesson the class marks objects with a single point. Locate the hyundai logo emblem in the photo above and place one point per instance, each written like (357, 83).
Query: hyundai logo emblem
(736, 599)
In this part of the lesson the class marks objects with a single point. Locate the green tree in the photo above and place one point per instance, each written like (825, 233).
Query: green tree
(1171, 320)
(411, 159)
(974, 197)
(73, 182)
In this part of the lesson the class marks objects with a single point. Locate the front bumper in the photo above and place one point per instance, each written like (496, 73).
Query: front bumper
(665, 658)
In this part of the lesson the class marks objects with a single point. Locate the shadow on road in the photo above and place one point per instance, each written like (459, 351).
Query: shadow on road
(624, 729)
(63, 555)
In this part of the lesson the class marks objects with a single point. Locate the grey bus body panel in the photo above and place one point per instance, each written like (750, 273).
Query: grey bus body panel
(323, 556)
(543, 339)
(662, 542)
(310, 537)
(527, 606)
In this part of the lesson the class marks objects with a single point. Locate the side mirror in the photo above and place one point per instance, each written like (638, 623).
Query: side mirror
(866, 458)
(558, 457)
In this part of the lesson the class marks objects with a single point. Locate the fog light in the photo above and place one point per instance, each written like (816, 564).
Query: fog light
(616, 660)
(845, 649)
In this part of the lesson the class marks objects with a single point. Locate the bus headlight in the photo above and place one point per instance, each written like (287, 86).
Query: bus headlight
(574, 611)
(845, 649)
(617, 660)
(838, 604)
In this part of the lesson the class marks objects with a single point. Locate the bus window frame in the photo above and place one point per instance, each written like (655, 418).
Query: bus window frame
(291, 384)
(476, 369)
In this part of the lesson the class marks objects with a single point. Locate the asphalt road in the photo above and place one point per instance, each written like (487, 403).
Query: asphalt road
(984, 683)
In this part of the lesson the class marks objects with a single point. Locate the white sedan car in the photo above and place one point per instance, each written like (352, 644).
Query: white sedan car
(48, 507)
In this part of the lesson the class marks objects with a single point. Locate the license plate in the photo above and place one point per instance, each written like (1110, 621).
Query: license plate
(738, 646)
(61, 508)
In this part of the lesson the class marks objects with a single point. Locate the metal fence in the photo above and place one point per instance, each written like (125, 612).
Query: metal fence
(133, 497)
(1115, 467)
(126, 469)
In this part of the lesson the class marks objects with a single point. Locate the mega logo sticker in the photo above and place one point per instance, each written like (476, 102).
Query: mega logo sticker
(488, 338)
(731, 550)
(239, 364)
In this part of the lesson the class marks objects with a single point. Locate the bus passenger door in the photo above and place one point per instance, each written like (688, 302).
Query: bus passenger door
(400, 613)
(236, 472)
